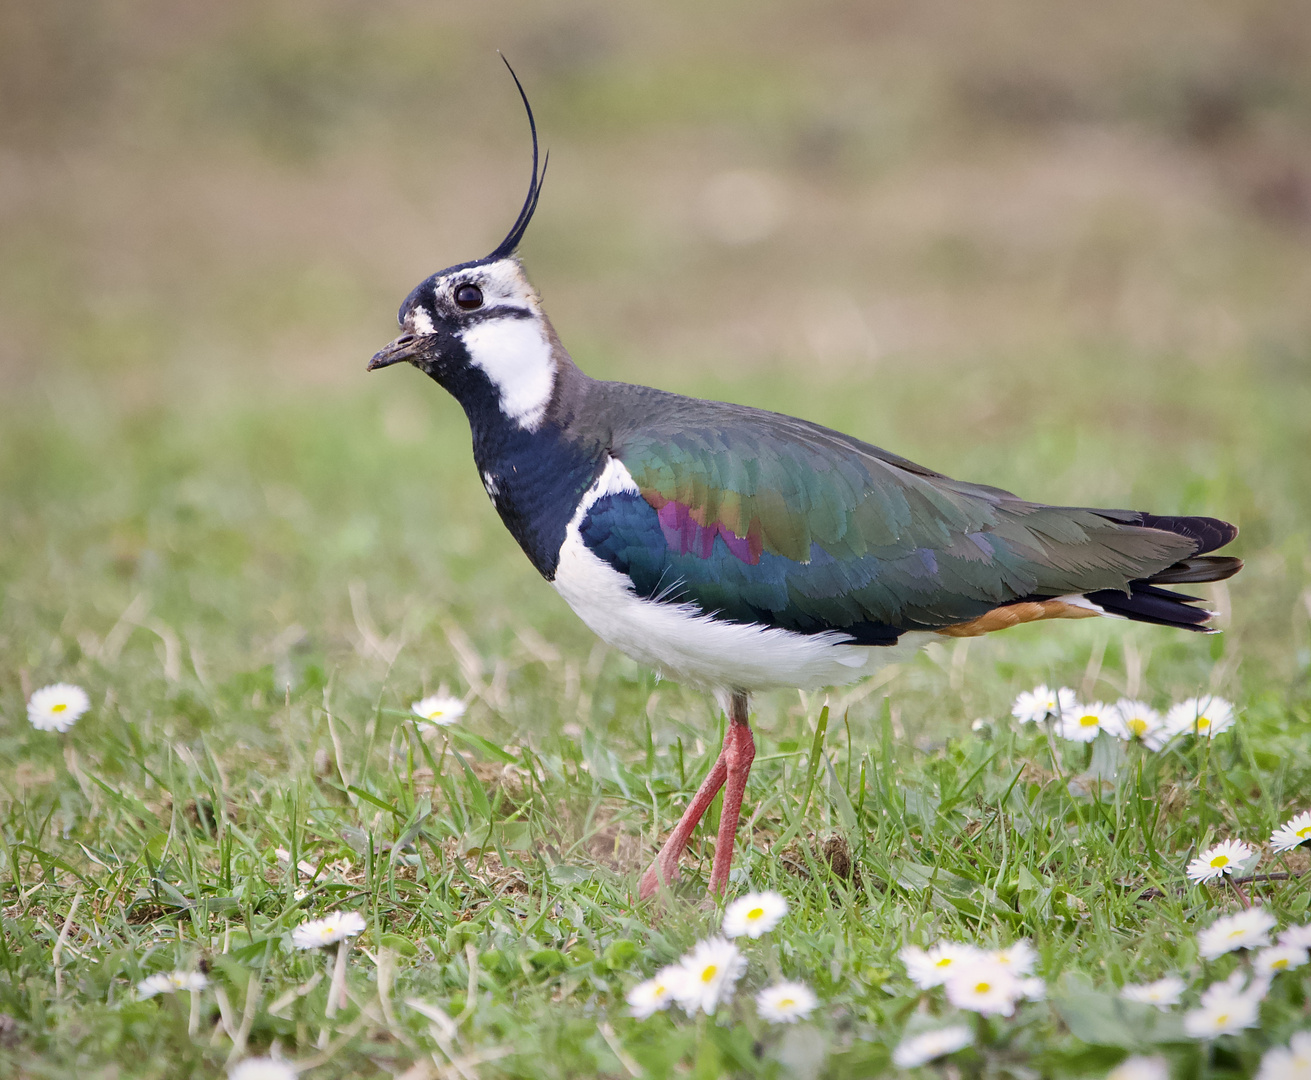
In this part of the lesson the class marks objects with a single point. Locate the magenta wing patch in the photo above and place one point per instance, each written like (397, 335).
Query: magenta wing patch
(686, 536)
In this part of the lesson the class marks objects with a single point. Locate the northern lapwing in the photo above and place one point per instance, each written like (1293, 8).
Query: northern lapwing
(742, 550)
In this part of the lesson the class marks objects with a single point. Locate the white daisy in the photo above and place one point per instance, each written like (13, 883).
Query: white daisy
(1163, 993)
(1279, 958)
(786, 1002)
(439, 709)
(1018, 959)
(57, 708)
(1226, 1008)
(709, 973)
(1040, 703)
(1297, 936)
(327, 931)
(1218, 860)
(1248, 929)
(929, 1045)
(656, 993)
(1083, 723)
(1137, 1067)
(932, 968)
(1291, 1062)
(754, 914)
(171, 983)
(1204, 717)
(261, 1069)
(1292, 833)
(984, 986)
(1033, 988)
(1136, 721)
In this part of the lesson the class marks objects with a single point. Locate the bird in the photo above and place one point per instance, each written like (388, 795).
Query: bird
(739, 550)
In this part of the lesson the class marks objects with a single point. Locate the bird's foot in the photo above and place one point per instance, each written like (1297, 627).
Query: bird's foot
(657, 874)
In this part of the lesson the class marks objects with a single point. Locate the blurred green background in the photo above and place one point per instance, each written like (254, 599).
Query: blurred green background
(1057, 247)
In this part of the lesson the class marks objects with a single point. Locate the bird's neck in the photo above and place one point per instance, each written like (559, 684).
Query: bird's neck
(535, 475)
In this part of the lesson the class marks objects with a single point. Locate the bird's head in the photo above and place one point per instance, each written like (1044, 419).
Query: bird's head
(478, 327)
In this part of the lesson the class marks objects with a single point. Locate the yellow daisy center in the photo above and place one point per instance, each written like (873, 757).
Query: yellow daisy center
(58, 706)
(435, 713)
(1138, 726)
(1303, 833)
(982, 987)
(1233, 934)
(1222, 1019)
(786, 1003)
(755, 913)
(1279, 965)
(1090, 720)
(944, 962)
(1220, 861)
(1203, 723)
(708, 972)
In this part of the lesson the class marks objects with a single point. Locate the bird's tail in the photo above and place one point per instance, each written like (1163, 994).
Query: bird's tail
(1147, 602)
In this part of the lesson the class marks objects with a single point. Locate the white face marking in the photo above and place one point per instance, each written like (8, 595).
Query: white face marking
(419, 321)
(678, 641)
(513, 352)
(516, 356)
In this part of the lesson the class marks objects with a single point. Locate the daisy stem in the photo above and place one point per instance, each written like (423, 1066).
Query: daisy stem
(337, 991)
(771, 959)
(1049, 727)
(1238, 888)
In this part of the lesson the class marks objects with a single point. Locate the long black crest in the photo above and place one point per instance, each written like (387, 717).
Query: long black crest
(520, 226)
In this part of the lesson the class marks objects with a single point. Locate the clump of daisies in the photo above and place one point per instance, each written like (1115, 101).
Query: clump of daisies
(335, 929)
(704, 978)
(1220, 859)
(707, 975)
(57, 707)
(989, 983)
(439, 710)
(1128, 719)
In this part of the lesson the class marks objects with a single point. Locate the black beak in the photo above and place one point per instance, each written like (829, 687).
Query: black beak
(400, 349)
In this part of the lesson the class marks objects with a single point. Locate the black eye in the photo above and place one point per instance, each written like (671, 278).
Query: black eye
(468, 297)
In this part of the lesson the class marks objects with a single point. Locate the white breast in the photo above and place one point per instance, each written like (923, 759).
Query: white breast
(679, 641)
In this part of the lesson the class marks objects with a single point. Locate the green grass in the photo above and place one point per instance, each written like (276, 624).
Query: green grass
(253, 594)
(1056, 248)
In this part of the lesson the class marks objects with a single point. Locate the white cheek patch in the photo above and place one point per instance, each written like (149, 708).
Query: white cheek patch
(516, 356)
(419, 321)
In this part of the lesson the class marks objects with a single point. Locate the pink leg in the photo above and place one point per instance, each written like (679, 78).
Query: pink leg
(733, 764)
(739, 752)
